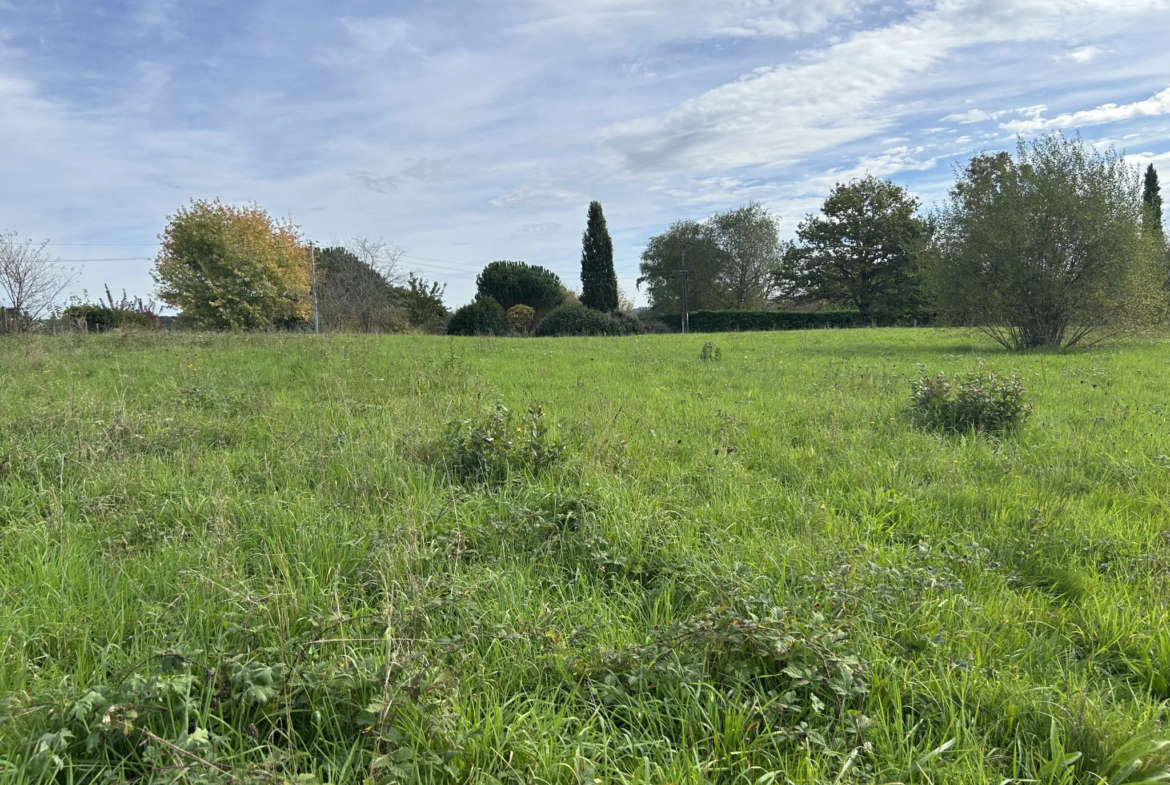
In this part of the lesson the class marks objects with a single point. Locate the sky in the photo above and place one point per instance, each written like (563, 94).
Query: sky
(467, 132)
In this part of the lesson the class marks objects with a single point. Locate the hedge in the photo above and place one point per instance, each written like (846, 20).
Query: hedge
(746, 321)
(100, 318)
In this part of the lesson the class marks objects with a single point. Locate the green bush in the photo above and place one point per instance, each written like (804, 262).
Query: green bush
(517, 283)
(749, 321)
(981, 401)
(522, 319)
(100, 318)
(576, 319)
(483, 316)
(496, 446)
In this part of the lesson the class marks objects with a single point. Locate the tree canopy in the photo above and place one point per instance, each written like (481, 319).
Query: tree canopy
(1044, 249)
(517, 283)
(232, 268)
(861, 251)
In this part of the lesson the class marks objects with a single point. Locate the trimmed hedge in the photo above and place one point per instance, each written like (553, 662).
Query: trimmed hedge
(576, 319)
(483, 316)
(748, 321)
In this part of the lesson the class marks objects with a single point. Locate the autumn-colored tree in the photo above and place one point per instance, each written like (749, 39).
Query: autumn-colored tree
(232, 268)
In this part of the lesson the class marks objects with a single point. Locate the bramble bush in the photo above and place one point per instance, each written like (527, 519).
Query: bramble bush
(498, 445)
(982, 401)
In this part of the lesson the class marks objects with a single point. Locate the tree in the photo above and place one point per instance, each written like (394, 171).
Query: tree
(862, 250)
(1044, 249)
(686, 244)
(423, 301)
(32, 281)
(517, 283)
(749, 238)
(1152, 205)
(522, 318)
(232, 268)
(599, 289)
(353, 295)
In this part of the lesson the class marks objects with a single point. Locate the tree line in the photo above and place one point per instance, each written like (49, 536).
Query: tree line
(1051, 246)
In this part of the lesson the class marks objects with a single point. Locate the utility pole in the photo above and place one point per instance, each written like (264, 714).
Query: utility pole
(686, 318)
(313, 285)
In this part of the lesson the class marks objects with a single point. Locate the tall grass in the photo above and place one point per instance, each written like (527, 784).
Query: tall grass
(247, 559)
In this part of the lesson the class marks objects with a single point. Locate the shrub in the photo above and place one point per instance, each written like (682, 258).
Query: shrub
(517, 283)
(100, 318)
(576, 319)
(522, 319)
(483, 316)
(982, 401)
(710, 352)
(495, 446)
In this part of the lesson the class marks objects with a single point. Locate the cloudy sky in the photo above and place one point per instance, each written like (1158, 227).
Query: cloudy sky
(468, 131)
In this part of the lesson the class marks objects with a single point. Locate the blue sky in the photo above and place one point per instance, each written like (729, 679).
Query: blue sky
(472, 131)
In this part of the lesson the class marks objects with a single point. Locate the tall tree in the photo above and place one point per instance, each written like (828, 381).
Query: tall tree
(862, 250)
(599, 289)
(1152, 204)
(1045, 249)
(232, 268)
(749, 239)
(353, 296)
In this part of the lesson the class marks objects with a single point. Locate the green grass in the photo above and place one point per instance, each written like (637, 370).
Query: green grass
(751, 570)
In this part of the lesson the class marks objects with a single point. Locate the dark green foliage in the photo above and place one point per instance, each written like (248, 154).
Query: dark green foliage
(576, 319)
(423, 302)
(353, 296)
(498, 445)
(862, 251)
(981, 401)
(750, 321)
(1152, 203)
(690, 244)
(482, 316)
(517, 283)
(599, 289)
(100, 318)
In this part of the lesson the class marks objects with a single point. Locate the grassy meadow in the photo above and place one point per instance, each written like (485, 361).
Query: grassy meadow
(246, 559)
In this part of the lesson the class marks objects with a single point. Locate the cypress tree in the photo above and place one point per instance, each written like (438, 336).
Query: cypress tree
(1152, 197)
(599, 289)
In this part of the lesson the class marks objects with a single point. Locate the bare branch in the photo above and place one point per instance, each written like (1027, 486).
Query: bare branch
(381, 255)
(30, 279)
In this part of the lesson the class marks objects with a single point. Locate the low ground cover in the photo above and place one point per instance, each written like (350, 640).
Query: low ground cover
(258, 558)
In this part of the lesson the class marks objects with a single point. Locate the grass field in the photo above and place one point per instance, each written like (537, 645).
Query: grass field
(244, 559)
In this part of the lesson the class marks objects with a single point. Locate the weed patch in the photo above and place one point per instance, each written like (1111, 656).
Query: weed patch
(982, 401)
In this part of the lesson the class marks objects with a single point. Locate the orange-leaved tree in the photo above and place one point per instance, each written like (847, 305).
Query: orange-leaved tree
(232, 268)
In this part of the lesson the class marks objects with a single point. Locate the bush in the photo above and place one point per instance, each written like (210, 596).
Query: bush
(100, 318)
(522, 319)
(749, 321)
(517, 283)
(982, 401)
(576, 319)
(492, 448)
(484, 316)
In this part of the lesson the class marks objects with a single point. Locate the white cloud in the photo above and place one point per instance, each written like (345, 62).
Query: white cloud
(1084, 54)
(1157, 105)
(536, 193)
(792, 111)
